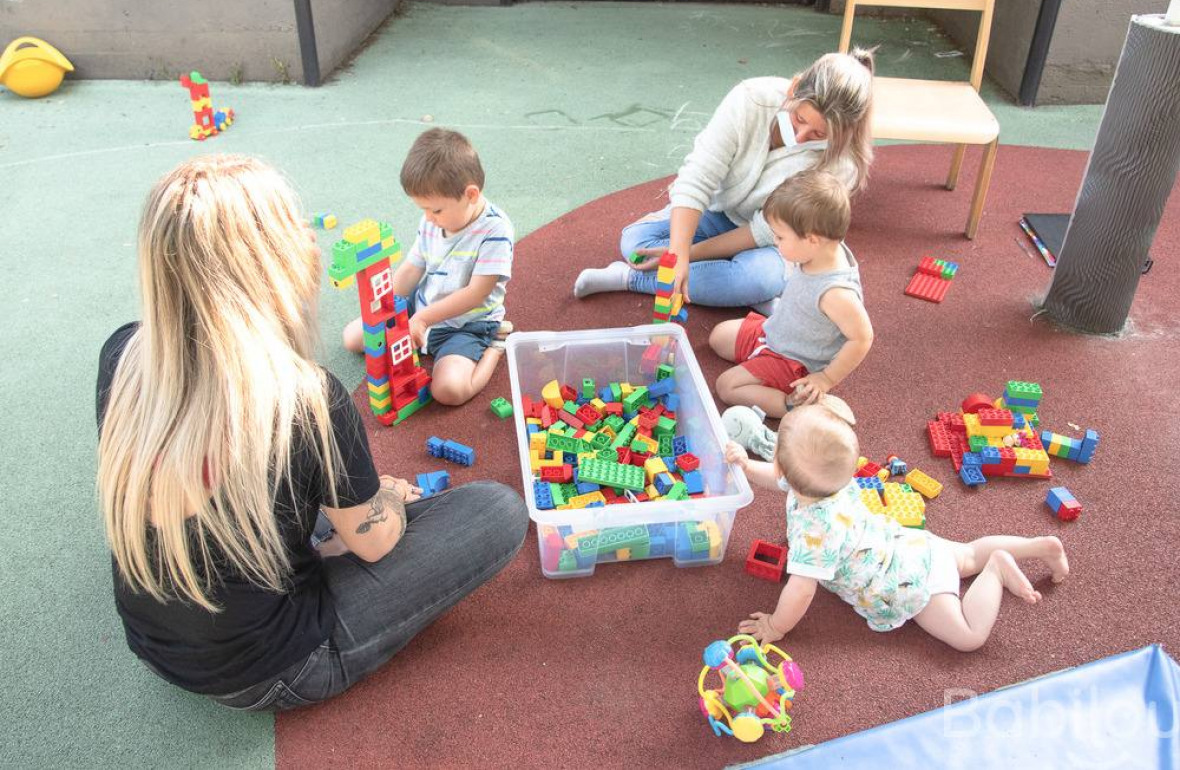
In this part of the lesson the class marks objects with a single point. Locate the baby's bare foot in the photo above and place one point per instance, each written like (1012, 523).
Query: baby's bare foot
(1014, 579)
(1053, 555)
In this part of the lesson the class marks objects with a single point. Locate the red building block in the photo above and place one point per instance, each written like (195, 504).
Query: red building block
(688, 462)
(588, 414)
(766, 560)
(568, 393)
(927, 287)
(558, 474)
(975, 402)
(868, 470)
(995, 417)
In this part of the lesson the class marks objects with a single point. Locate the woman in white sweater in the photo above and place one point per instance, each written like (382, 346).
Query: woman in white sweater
(765, 130)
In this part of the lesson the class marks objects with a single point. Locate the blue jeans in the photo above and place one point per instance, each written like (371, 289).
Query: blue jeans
(747, 278)
(455, 542)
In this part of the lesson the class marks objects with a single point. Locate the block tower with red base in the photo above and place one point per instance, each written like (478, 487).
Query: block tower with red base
(669, 306)
(398, 385)
(207, 122)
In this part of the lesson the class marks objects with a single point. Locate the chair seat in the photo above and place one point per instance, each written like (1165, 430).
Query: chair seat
(931, 111)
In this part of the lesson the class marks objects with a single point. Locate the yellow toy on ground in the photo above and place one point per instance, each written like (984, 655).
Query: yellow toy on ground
(754, 693)
(32, 68)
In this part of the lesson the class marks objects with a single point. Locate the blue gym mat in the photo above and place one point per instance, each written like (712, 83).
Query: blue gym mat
(1118, 712)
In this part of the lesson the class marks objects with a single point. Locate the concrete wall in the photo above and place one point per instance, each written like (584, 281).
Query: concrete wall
(237, 40)
(1082, 57)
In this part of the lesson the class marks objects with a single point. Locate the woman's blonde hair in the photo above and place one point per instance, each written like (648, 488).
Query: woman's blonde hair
(216, 385)
(840, 87)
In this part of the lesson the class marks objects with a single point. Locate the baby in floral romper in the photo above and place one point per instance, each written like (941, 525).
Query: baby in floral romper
(888, 573)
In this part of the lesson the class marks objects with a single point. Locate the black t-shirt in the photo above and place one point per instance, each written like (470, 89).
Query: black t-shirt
(258, 632)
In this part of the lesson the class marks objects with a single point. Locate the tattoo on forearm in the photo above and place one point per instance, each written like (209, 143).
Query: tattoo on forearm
(387, 500)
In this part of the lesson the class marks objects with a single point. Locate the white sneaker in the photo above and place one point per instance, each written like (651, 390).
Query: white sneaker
(745, 426)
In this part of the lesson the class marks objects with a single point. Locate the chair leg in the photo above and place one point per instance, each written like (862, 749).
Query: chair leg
(981, 184)
(952, 178)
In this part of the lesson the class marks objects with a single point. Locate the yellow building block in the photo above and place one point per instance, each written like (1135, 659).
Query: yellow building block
(923, 483)
(652, 492)
(626, 388)
(598, 404)
(654, 466)
(872, 501)
(715, 538)
(537, 441)
(677, 303)
(364, 231)
(581, 501)
(551, 394)
(623, 554)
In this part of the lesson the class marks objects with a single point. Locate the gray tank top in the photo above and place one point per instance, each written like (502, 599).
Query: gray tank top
(798, 329)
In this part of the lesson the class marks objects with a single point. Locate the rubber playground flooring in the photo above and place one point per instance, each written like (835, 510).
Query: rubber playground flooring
(559, 122)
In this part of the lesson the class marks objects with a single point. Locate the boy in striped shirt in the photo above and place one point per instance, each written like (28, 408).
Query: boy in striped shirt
(455, 273)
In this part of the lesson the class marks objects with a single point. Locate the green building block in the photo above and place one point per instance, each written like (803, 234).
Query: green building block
(678, 492)
(1028, 391)
(666, 446)
(601, 441)
(571, 407)
(665, 426)
(615, 422)
(625, 436)
(977, 443)
(664, 371)
(559, 443)
(556, 491)
(567, 562)
(637, 399)
(698, 539)
(611, 474)
(616, 391)
(587, 388)
(501, 408)
(607, 455)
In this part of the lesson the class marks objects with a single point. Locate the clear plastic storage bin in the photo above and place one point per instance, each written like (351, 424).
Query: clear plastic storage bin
(691, 532)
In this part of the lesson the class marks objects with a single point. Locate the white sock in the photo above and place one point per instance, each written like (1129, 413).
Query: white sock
(613, 277)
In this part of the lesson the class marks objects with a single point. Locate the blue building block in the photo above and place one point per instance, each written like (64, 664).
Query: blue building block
(661, 387)
(972, 476)
(433, 483)
(988, 455)
(681, 445)
(663, 483)
(898, 467)
(670, 463)
(1018, 421)
(451, 451)
(870, 482)
(605, 394)
(543, 496)
(659, 546)
(1089, 444)
(696, 483)
(672, 402)
(682, 316)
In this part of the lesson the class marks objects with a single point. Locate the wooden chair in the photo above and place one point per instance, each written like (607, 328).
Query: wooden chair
(950, 112)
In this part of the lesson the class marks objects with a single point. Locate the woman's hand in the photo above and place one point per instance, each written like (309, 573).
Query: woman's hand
(409, 493)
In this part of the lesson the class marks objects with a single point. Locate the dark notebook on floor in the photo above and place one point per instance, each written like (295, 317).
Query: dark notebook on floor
(1050, 228)
(1047, 232)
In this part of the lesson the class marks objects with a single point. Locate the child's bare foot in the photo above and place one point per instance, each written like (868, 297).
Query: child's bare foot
(1014, 579)
(1053, 556)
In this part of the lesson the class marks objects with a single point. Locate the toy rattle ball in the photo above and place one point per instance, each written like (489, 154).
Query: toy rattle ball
(754, 693)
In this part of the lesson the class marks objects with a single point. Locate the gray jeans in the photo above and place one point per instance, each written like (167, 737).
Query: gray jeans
(454, 542)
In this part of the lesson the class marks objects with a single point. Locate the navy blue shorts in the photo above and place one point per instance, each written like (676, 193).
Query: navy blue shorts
(469, 341)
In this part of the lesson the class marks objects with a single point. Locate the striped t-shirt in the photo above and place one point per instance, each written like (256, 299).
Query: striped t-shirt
(484, 247)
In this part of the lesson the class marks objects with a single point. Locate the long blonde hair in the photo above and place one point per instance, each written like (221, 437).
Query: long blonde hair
(840, 87)
(214, 386)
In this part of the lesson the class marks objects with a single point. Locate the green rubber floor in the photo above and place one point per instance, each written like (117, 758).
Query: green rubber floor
(565, 102)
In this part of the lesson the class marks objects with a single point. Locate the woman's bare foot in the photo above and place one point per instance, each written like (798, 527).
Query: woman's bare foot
(1053, 556)
(1014, 579)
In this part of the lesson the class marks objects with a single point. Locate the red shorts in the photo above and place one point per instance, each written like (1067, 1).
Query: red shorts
(770, 368)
